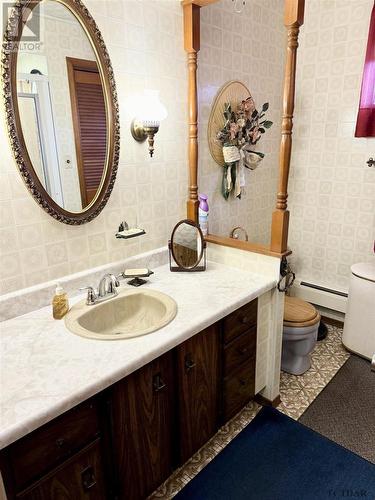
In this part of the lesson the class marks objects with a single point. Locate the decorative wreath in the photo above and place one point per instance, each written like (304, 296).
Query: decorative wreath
(241, 127)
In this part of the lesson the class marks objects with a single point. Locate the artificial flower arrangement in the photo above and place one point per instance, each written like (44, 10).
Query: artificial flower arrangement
(242, 130)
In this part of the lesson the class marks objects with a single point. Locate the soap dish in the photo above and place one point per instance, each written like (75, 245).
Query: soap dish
(125, 232)
(137, 275)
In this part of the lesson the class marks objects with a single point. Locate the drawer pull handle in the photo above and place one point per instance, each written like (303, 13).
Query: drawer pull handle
(60, 442)
(88, 478)
(189, 364)
(244, 320)
(242, 381)
(242, 350)
(158, 383)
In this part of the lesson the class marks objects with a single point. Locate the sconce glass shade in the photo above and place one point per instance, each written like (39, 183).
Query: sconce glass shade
(151, 111)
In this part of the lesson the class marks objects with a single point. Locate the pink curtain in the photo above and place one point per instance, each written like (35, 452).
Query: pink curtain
(366, 114)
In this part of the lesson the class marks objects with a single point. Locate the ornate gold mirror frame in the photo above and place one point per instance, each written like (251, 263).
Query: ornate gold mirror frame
(12, 37)
(293, 19)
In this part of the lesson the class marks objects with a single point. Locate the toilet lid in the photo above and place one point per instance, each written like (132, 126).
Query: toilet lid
(299, 311)
(364, 270)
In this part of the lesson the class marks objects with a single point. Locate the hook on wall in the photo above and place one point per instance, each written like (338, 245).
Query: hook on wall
(371, 162)
(242, 5)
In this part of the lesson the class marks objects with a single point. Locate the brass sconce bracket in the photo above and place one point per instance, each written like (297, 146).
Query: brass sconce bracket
(141, 133)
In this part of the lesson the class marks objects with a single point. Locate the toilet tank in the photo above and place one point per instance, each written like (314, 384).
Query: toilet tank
(359, 326)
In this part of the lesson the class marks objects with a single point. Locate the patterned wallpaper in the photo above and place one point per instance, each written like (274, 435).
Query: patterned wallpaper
(145, 42)
(249, 47)
(331, 189)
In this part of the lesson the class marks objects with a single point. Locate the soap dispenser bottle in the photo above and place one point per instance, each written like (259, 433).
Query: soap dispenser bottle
(60, 303)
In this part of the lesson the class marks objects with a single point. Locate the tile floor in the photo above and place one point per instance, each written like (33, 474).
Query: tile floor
(297, 393)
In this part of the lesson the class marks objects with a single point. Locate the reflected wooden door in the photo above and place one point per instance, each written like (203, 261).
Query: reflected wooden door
(89, 124)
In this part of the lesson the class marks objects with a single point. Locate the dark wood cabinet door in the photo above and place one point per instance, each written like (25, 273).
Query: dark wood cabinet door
(143, 428)
(79, 478)
(198, 390)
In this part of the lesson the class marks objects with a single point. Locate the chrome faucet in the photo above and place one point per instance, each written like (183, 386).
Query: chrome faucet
(106, 290)
(234, 233)
(107, 286)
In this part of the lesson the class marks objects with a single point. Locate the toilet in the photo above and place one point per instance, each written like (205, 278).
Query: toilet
(301, 324)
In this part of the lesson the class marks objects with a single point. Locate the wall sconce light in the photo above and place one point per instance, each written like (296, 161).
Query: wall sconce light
(150, 113)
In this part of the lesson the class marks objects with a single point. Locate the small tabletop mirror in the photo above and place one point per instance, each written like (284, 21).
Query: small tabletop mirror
(187, 247)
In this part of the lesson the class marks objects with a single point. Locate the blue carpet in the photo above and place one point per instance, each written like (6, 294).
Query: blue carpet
(277, 458)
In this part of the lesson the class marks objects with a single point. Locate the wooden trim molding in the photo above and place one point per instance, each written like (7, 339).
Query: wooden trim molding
(9, 55)
(245, 245)
(293, 19)
(200, 3)
(267, 402)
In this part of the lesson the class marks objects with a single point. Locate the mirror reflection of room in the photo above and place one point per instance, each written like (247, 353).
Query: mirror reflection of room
(62, 110)
(253, 211)
(186, 245)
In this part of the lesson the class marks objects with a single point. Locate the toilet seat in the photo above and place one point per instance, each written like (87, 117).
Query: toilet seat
(299, 314)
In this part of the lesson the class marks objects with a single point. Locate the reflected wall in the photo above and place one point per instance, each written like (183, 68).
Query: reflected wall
(249, 47)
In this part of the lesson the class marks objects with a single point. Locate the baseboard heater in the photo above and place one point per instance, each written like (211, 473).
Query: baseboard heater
(323, 296)
(323, 289)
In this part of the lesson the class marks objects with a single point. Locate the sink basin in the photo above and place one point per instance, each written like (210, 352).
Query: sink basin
(131, 314)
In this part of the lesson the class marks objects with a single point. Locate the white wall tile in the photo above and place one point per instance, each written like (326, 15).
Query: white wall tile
(330, 61)
(145, 43)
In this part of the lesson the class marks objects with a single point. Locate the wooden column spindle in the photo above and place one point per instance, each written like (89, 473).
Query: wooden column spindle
(293, 19)
(192, 205)
(192, 46)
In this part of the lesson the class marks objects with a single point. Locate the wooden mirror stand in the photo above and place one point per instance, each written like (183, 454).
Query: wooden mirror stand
(293, 19)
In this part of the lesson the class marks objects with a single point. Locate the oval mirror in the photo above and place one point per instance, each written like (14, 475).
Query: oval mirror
(187, 245)
(62, 107)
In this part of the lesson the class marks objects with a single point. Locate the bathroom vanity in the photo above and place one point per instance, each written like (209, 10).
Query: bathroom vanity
(127, 440)
(129, 411)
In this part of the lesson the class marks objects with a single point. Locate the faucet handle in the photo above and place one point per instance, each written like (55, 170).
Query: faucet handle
(113, 284)
(91, 295)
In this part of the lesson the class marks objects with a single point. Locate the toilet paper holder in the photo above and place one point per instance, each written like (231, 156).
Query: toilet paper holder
(287, 276)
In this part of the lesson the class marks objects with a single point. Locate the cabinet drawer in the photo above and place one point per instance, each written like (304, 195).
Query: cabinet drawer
(240, 321)
(239, 350)
(44, 448)
(239, 388)
(79, 478)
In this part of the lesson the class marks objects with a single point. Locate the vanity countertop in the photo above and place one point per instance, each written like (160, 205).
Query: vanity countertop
(46, 370)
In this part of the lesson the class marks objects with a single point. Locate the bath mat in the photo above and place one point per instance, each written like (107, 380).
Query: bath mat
(345, 410)
(277, 458)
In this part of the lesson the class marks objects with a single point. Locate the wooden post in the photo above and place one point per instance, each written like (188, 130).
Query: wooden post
(293, 19)
(192, 45)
